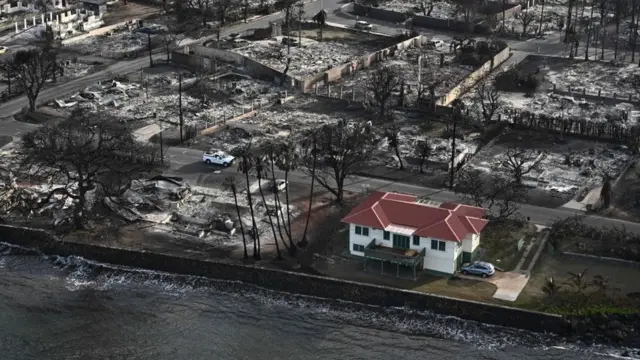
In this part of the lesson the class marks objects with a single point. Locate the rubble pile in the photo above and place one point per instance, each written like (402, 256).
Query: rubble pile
(566, 169)
(311, 58)
(594, 76)
(406, 62)
(119, 42)
(137, 101)
(441, 9)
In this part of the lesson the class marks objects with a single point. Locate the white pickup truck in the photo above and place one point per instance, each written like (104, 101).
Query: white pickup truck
(217, 158)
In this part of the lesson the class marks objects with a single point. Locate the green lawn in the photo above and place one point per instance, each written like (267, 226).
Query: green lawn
(500, 240)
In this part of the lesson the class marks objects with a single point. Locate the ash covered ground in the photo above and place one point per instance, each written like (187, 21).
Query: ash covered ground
(568, 165)
(313, 57)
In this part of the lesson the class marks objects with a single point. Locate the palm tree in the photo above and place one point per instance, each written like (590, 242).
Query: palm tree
(245, 166)
(310, 148)
(261, 169)
(231, 184)
(272, 149)
(287, 161)
(541, 18)
(579, 281)
(550, 287)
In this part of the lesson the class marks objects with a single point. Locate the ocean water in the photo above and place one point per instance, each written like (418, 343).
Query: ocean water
(70, 308)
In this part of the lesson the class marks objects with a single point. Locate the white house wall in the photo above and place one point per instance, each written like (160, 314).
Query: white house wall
(470, 243)
(440, 261)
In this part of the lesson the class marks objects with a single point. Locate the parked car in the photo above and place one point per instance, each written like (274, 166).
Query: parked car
(289, 41)
(479, 268)
(3, 49)
(435, 43)
(279, 185)
(363, 25)
(217, 158)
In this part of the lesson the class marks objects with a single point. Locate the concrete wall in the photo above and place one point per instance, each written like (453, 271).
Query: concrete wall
(200, 57)
(474, 77)
(292, 282)
(337, 72)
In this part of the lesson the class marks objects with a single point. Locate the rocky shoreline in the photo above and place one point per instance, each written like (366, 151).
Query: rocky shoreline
(609, 329)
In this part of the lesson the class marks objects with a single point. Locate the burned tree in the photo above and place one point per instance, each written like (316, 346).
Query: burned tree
(32, 69)
(605, 192)
(423, 150)
(287, 160)
(526, 18)
(519, 162)
(383, 84)
(489, 100)
(232, 184)
(498, 194)
(340, 148)
(246, 165)
(86, 153)
(391, 132)
(426, 6)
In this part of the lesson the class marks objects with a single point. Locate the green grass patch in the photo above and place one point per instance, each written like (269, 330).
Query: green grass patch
(500, 241)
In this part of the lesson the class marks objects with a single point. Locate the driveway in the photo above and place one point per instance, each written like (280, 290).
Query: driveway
(509, 284)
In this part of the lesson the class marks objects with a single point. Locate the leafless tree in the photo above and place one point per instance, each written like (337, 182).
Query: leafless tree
(32, 69)
(498, 194)
(232, 184)
(340, 149)
(578, 280)
(309, 159)
(287, 159)
(426, 6)
(391, 131)
(489, 99)
(467, 8)
(526, 18)
(246, 166)
(87, 152)
(204, 8)
(383, 83)
(520, 162)
(423, 150)
(261, 169)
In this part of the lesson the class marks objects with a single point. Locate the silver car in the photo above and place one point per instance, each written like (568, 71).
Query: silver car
(363, 25)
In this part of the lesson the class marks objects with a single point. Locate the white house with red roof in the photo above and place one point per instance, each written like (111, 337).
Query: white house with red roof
(424, 235)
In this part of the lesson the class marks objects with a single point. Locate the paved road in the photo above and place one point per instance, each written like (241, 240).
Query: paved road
(187, 163)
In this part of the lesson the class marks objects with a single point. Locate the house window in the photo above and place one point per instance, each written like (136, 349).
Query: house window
(358, 247)
(442, 246)
(386, 235)
(365, 231)
(438, 245)
(358, 230)
(400, 241)
(416, 240)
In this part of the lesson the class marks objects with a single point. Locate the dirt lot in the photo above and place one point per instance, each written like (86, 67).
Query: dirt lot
(120, 12)
(570, 165)
(338, 47)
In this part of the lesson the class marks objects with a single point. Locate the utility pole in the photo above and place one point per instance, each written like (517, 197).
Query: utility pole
(300, 6)
(149, 42)
(419, 75)
(180, 105)
(161, 146)
(453, 153)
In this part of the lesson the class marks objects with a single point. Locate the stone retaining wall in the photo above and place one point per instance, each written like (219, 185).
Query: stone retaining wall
(290, 282)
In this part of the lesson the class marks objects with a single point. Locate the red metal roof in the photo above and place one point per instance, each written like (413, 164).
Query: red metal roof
(448, 221)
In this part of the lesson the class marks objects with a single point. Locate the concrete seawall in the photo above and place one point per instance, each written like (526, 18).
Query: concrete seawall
(291, 282)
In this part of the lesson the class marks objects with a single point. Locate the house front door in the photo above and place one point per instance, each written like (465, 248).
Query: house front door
(400, 242)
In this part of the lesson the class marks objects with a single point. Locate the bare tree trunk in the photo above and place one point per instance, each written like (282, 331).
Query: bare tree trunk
(273, 229)
(244, 238)
(586, 49)
(256, 235)
(569, 13)
(633, 31)
(292, 246)
(304, 241)
(541, 18)
(277, 200)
